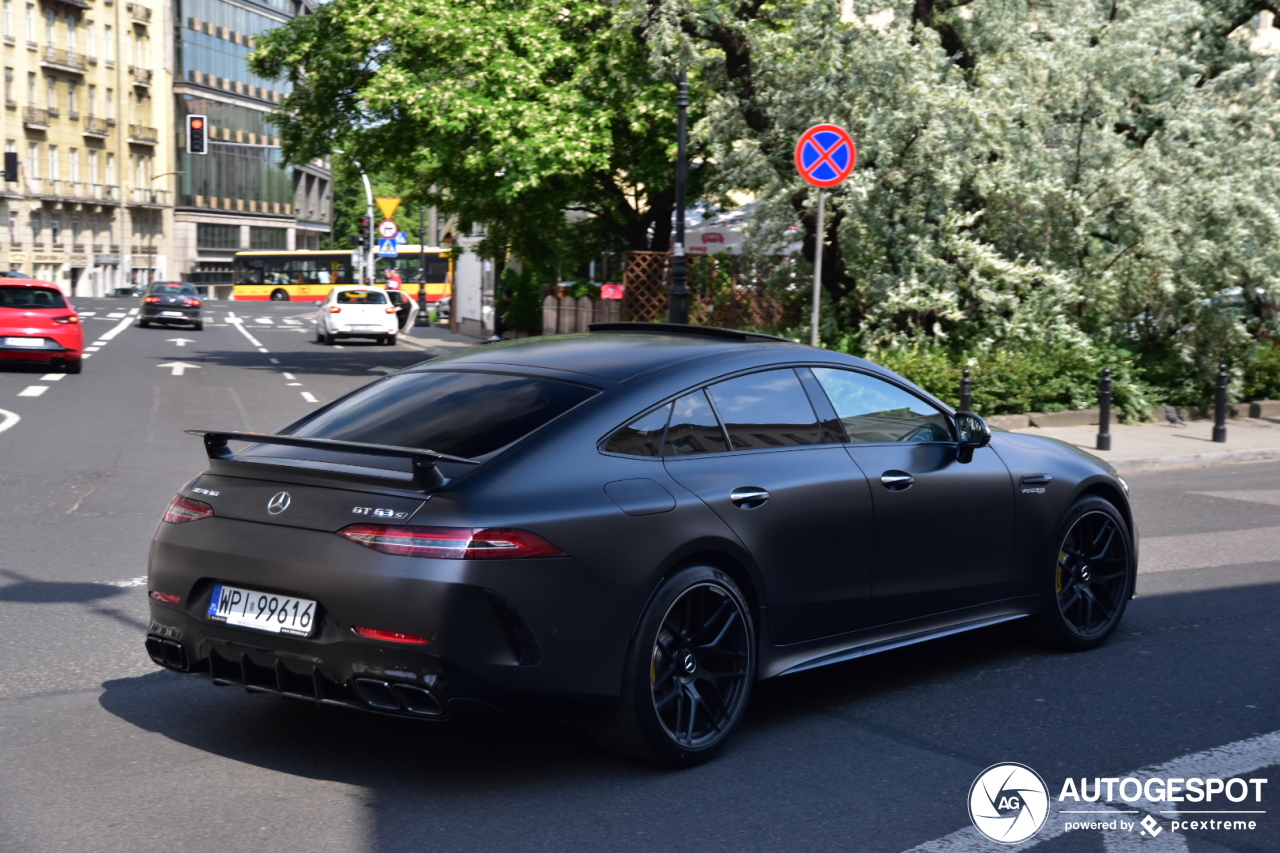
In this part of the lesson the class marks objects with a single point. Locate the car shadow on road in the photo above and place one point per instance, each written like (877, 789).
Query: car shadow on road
(817, 755)
(371, 362)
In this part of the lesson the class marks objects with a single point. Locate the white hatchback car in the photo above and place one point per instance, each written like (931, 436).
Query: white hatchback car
(357, 312)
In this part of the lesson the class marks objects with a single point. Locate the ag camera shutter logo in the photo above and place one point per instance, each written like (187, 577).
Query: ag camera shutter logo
(1008, 803)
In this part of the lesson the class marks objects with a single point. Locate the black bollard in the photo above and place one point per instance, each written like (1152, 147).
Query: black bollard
(966, 390)
(1104, 411)
(1220, 406)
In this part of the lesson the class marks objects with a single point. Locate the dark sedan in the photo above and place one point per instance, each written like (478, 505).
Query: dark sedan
(168, 302)
(632, 525)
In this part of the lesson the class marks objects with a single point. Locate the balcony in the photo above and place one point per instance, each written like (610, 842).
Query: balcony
(104, 192)
(94, 127)
(143, 135)
(140, 14)
(141, 76)
(36, 119)
(63, 60)
(148, 197)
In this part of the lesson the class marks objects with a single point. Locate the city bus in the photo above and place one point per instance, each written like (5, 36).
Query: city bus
(307, 276)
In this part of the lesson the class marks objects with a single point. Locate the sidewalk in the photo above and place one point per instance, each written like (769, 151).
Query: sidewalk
(438, 340)
(1146, 446)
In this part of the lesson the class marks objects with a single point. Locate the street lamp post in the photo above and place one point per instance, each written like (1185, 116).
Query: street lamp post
(678, 299)
(367, 263)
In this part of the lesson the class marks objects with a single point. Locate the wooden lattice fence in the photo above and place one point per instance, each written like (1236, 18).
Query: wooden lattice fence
(720, 295)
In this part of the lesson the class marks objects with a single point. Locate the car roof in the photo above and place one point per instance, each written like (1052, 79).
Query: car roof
(29, 282)
(615, 355)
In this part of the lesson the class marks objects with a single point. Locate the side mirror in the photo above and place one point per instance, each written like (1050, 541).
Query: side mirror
(973, 433)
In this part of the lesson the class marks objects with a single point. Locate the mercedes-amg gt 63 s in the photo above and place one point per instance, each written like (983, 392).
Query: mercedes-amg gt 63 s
(633, 525)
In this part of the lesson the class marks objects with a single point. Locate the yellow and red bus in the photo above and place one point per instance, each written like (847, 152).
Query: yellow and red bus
(307, 276)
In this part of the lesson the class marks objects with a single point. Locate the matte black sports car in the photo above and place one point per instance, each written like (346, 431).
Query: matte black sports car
(634, 524)
(169, 302)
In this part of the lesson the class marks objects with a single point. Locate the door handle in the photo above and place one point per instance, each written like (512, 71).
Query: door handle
(896, 481)
(748, 497)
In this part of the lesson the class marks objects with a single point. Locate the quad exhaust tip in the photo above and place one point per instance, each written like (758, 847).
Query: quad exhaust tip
(168, 653)
(394, 696)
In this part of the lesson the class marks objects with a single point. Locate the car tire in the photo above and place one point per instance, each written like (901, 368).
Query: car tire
(674, 674)
(279, 295)
(330, 339)
(319, 336)
(199, 326)
(1089, 577)
(73, 367)
(144, 324)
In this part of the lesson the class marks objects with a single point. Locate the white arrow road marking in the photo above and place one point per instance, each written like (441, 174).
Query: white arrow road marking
(7, 419)
(179, 367)
(182, 342)
(1233, 759)
(33, 390)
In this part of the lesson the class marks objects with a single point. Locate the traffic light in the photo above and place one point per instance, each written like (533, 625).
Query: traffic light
(363, 237)
(11, 165)
(197, 134)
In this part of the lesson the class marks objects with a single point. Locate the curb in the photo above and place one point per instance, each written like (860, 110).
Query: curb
(1195, 460)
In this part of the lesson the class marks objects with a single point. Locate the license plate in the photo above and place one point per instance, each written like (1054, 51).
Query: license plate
(262, 611)
(170, 313)
(368, 328)
(24, 342)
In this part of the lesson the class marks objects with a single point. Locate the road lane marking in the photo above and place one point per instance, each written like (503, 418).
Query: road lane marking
(1208, 550)
(92, 349)
(114, 315)
(274, 360)
(1233, 759)
(86, 313)
(239, 324)
(291, 384)
(52, 377)
(33, 390)
(180, 367)
(292, 322)
(7, 419)
(115, 330)
(309, 397)
(288, 376)
(266, 321)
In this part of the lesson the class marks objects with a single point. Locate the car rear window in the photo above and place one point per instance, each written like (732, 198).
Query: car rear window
(362, 297)
(462, 414)
(31, 297)
(182, 289)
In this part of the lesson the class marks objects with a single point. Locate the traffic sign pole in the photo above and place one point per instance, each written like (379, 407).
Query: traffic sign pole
(817, 268)
(825, 156)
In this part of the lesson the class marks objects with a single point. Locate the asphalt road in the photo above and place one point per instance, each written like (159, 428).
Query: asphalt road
(102, 751)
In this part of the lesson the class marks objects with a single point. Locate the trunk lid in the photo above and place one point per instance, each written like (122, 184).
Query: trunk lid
(296, 505)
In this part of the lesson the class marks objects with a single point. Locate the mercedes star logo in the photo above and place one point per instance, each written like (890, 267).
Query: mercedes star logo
(279, 503)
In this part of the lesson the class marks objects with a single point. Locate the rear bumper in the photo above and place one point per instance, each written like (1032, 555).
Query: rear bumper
(156, 313)
(526, 637)
(52, 349)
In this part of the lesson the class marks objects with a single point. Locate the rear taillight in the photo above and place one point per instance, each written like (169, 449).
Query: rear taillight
(391, 309)
(392, 636)
(165, 597)
(74, 318)
(334, 309)
(152, 299)
(451, 543)
(193, 303)
(182, 509)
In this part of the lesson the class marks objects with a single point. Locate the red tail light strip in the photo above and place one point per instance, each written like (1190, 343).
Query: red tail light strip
(182, 509)
(451, 543)
(392, 636)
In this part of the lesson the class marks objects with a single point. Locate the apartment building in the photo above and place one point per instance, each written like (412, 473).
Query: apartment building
(85, 96)
(238, 196)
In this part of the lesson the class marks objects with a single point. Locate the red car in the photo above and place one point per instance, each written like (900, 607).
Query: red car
(37, 323)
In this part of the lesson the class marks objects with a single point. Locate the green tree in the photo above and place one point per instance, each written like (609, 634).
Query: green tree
(517, 111)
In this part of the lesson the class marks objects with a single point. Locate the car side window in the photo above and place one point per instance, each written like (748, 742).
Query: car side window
(873, 410)
(643, 436)
(694, 427)
(767, 409)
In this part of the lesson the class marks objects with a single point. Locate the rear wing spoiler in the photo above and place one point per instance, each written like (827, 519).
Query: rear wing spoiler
(425, 473)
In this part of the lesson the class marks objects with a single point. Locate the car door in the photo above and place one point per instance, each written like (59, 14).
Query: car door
(943, 529)
(785, 486)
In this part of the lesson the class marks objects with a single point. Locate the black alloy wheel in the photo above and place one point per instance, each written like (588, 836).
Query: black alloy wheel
(689, 672)
(1092, 579)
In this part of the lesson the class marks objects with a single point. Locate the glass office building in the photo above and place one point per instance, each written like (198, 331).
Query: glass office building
(241, 185)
